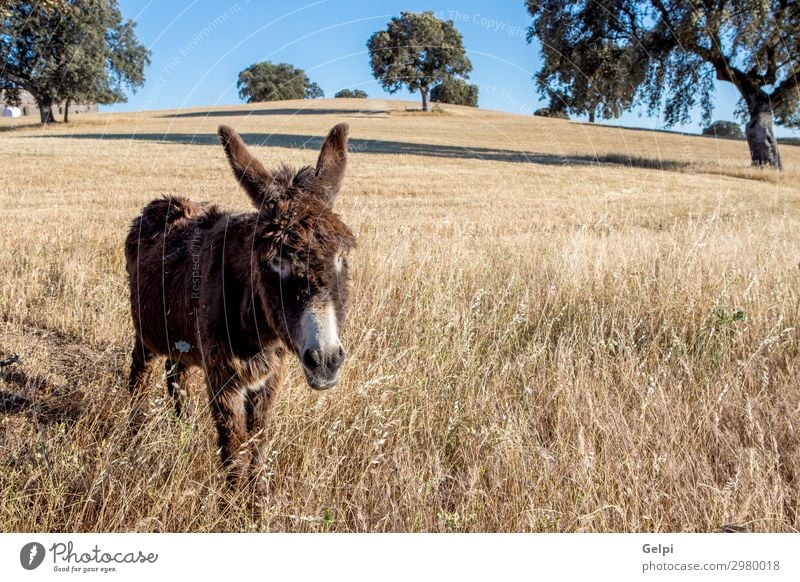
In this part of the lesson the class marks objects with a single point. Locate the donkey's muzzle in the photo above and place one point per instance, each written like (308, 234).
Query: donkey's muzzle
(322, 367)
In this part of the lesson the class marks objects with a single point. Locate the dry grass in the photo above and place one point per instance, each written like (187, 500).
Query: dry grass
(549, 332)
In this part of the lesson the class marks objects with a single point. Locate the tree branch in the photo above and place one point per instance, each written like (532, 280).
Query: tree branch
(24, 82)
(18, 79)
(632, 19)
(783, 92)
(747, 86)
(664, 13)
(768, 78)
(772, 69)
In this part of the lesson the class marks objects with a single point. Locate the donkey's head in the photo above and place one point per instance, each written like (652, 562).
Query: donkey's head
(300, 248)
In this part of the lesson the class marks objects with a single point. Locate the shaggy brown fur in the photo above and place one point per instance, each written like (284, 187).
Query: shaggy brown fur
(229, 292)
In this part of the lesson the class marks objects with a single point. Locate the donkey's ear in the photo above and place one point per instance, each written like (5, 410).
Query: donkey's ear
(250, 173)
(333, 161)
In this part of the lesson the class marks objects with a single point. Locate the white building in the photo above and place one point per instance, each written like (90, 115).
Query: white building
(28, 106)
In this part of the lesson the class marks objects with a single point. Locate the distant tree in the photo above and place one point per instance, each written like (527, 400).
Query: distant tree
(601, 86)
(558, 107)
(103, 55)
(559, 104)
(69, 50)
(607, 55)
(553, 113)
(728, 129)
(417, 51)
(455, 92)
(314, 91)
(267, 81)
(351, 94)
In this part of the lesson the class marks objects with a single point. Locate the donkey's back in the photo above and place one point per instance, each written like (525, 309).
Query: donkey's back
(162, 253)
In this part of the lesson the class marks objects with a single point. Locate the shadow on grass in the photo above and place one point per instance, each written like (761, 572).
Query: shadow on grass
(282, 111)
(19, 126)
(57, 406)
(377, 146)
(45, 402)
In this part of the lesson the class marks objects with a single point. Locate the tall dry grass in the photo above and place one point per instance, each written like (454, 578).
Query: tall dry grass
(567, 343)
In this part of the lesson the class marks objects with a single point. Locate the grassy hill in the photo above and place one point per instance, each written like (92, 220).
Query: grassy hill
(555, 327)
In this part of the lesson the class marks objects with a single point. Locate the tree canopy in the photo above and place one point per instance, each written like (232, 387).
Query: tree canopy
(455, 92)
(351, 94)
(69, 50)
(267, 81)
(314, 91)
(608, 55)
(728, 129)
(417, 50)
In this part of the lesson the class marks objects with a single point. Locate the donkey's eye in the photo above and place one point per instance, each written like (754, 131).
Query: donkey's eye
(282, 267)
(298, 289)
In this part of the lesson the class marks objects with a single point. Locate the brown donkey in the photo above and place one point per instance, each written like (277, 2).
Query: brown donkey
(234, 293)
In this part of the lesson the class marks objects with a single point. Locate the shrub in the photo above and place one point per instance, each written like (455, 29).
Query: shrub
(547, 112)
(455, 92)
(728, 129)
(267, 81)
(351, 94)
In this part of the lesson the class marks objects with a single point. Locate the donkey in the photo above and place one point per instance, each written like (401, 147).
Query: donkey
(235, 293)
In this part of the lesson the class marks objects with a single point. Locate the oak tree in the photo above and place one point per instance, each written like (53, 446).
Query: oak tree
(417, 50)
(267, 81)
(607, 55)
(455, 92)
(70, 51)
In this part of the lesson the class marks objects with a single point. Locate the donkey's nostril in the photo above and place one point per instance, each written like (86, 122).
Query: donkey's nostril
(337, 358)
(312, 358)
(318, 360)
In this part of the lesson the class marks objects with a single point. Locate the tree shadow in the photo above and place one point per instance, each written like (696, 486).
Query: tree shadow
(59, 404)
(11, 403)
(385, 147)
(282, 111)
(614, 127)
(781, 140)
(19, 126)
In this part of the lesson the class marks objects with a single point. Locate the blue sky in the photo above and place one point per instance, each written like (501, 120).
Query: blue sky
(199, 46)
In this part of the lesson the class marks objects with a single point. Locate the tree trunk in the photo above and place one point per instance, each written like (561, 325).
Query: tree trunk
(761, 138)
(66, 109)
(591, 115)
(425, 103)
(45, 111)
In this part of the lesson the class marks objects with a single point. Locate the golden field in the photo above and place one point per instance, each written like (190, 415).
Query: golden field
(554, 327)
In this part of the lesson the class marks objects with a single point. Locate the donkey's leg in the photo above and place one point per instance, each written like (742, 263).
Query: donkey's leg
(176, 376)
(259, 402)
(140, 358)
(227, 407)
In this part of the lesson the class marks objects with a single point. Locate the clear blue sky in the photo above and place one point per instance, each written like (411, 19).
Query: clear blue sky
(199, 46)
